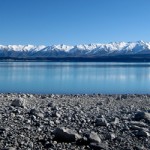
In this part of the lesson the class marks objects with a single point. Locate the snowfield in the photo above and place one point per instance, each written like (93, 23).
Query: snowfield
(89, 50)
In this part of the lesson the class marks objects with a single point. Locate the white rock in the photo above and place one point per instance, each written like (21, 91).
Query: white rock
(94, 138)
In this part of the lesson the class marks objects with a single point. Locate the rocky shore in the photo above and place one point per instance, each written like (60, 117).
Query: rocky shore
(74, 122)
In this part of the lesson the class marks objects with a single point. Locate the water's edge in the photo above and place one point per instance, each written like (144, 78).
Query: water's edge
(118, 58)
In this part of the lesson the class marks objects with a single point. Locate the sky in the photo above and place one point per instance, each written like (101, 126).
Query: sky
(72, 22)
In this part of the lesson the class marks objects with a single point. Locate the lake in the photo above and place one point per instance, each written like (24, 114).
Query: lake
(74, 77)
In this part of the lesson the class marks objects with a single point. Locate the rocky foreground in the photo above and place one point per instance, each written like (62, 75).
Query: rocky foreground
(74, 122)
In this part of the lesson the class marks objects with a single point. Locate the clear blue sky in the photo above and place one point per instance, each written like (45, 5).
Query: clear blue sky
(73, 21)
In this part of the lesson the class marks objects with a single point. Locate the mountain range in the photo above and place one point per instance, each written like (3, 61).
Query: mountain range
(114, 49)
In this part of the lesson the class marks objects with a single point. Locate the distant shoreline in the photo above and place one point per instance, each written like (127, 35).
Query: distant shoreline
(80, 95)
(120, 58)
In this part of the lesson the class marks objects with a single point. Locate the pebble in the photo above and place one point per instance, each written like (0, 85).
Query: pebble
(101, 122)
(80, 122)
(94, 138)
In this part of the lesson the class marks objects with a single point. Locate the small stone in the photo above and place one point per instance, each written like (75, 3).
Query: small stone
(46, 114)
(142, 133)
(134, 127)
(9, 148)
(0, 116)
(83, 141)
(139, 148)
(43, 96)
(50, 104)
(118, 97)
(33, 118)
(56, 114)
(113, 136)
(137, 123)
(98, 146)
(52, 96)
(2, 129)
(27, 127)
(12, 115)
(51, 123)
(124, 96)
(40, 115)
(110, 136)
(94, 138)
(30, 144)
(33, 111)
(57, 121)
(116, 121)
(48, 145)
(101, 122)
(55, 108)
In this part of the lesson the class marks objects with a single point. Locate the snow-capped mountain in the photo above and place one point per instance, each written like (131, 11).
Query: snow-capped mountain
(89, 50)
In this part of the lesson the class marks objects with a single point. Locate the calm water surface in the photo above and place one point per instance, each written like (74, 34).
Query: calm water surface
(70, 77)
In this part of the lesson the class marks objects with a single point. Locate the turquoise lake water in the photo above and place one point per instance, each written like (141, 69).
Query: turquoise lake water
(74, 78)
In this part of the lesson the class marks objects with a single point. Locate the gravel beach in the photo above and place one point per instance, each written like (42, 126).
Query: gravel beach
(74, 122)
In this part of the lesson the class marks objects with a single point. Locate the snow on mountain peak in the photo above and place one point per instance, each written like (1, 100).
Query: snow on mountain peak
(113, 48)
(62, 47)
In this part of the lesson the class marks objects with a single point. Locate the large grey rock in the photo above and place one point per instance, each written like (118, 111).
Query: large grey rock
(142, 133)
(101, 122)
(116, 121)
(36, 113)
(66, 135)
(19, 102)
(142, 115)
(94, 138)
